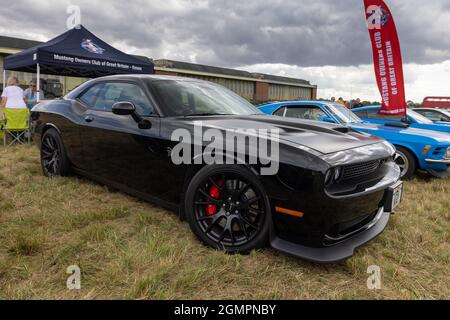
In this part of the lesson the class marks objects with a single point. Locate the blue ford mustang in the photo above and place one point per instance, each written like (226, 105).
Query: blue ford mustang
(417, 149)
(413, 119)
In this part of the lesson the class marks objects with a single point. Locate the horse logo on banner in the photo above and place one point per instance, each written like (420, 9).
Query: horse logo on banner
(378, 17)
(90, 46)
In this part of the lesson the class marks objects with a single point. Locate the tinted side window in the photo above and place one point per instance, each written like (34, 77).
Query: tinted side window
(133, 93)
(90, 96)
(279, 112)
(109, 95)
(104, 97)
(361, 113)
(373, 114)
(394, 118)
(432, 115)
(305, 112)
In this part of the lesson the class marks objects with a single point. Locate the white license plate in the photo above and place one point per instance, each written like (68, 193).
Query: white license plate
(397, 196)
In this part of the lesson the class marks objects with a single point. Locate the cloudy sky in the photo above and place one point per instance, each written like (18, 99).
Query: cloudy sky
(323, 41)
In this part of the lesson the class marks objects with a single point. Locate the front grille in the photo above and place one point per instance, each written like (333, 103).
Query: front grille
(360, 169)
(340, 231)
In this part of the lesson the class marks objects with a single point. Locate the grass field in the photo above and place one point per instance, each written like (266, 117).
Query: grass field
(129, 249)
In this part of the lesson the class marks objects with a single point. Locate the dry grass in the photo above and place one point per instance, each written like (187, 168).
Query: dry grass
(133, 250)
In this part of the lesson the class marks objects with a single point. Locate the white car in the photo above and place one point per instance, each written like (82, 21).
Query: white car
(435, 115)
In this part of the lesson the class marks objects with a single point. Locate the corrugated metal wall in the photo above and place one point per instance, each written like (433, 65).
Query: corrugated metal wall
(282, 92)
(243, 88)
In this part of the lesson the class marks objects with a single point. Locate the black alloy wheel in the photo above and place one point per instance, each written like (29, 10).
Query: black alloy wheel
(53, 157)
(228, 208)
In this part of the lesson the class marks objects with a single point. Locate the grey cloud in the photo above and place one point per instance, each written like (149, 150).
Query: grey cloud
(237, 33)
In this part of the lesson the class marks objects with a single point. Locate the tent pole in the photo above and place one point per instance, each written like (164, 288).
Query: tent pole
(4, 77)
(38, 82)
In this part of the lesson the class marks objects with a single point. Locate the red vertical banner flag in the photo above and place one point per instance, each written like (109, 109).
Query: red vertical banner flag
(387, 57)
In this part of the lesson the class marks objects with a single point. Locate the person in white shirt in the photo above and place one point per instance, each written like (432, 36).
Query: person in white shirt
(12, 96)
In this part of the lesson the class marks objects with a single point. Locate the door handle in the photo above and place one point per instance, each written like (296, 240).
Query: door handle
(89, 118)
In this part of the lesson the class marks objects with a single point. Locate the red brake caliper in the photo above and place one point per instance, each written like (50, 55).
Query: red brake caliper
(215, 193)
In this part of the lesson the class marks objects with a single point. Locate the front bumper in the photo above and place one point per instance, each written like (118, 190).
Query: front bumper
(337, 252)
(338, 224)
(440, 161)
(439, 168)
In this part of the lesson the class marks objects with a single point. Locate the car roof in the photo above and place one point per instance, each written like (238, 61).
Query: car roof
(304, 102)
(151, 77)
(366, 108)
(272, 107)
(125, 77)
(429, 109)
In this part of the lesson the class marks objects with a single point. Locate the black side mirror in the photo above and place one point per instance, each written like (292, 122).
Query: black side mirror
(126, 108)
(123, 108)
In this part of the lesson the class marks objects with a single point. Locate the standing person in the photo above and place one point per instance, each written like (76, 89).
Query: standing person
(347, 104)
(12, 96)
(341, 101)
(30, 95)
(357, 103)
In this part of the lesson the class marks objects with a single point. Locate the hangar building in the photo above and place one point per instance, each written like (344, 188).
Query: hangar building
(255, 87)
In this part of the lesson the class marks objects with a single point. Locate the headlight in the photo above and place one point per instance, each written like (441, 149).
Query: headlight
(333, 175)
(447, 154)
(328, 177)
(337, 173)
(391, 148)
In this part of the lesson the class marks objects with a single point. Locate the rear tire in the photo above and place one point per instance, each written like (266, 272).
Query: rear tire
(227, 208)
(406, 161)
(54, 160)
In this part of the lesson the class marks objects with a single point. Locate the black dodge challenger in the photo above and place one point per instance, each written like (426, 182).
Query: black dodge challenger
(334, 190)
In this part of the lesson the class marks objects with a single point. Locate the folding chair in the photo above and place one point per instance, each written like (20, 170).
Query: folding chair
(1, 126)
(16, 125)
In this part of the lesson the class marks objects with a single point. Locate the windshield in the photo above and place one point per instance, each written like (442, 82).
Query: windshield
(417, 117)
(195, 98)
(343, 114)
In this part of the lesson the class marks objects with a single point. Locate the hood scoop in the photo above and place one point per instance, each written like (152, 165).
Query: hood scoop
(342, 129)
(321, 136)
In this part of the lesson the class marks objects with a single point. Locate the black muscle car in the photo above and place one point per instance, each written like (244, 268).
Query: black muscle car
(334, 189)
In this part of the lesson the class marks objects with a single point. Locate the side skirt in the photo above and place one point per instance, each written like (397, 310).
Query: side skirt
(132, 192)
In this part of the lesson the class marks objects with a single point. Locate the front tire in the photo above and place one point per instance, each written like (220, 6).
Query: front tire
(54, 160)
(406, 161)
(227, 208)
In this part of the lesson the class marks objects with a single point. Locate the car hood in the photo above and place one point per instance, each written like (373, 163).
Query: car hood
(374, 129)
(434, 127)
(323, 137)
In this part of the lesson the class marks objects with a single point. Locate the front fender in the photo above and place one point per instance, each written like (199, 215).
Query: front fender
(422, 153)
